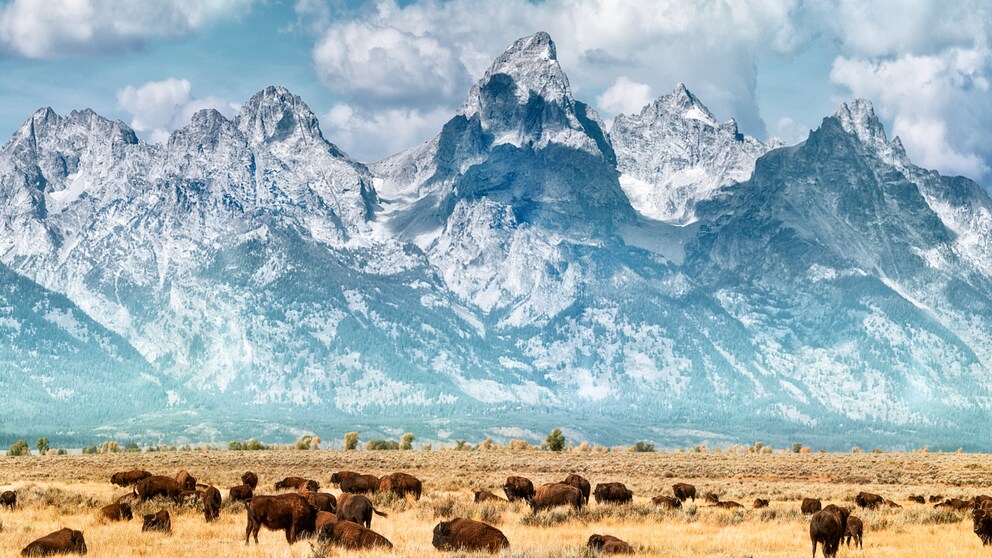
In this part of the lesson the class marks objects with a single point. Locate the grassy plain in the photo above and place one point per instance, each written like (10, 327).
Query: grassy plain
(67, 491)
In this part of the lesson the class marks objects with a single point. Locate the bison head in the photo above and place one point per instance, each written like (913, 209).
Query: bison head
(126, 512)
(442, 534)
(78, 542)
(596, 541)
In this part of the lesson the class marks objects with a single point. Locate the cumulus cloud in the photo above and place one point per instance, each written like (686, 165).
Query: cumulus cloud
(67, 28)
(371, 134)
(625, 97)
(159, 107)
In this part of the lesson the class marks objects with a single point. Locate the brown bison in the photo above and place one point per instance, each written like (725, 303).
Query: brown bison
(289, 512)
(810, 506)
(956, 504)
(351, 535)
(336, 478)
(360, 484)
(160, 521)
(154, 486)
(486, 496)
(321, 501)
(130, 499)
(980, 501)
(684, 491)
(356, 508)
(711, 497)
(117, 512)
(186, 481)
(128, 478)
(728, 505)
(982, 519)
(293, 483)
(211, 504)
(936, 498)
(401, 484)
(919, 499)
(855, 531)
(63, 541)
(613, 493)
(827, 527)
(868, 501)
(667, 502)
(518, 488)
(470, 535)
(759, 503)
(580, 483)
(556, 494)
(608, 544)
(250, 480)
(241, 493)
(323, 518)
(8, 500)
(890, 504)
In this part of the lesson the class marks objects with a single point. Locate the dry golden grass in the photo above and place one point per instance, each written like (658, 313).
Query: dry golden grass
(69, 490)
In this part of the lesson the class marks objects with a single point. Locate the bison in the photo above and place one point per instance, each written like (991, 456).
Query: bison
(684, 491)
(356, 508)
(293, 483)
(711, 497)
(289, 512)
(580, 483)
(130, 498)
(855, 531)
(469, 535)
(128, 478)
(211, 504)
(63, 541)
(956, 504)
(323, 518)
(667, 502)
(982, 519)
(160, 521)
(186, 481)
(486, 496)
(613, 493)
(868, 501)
(117, 512)
(890, 504)
(981, 501)
(401, 484)
(608, 544)
(810, 506)
(919, 499)
(360, 484)
(250, 480)
(556, 494)
(351, 535)
(321, 501)
(827, 527)
(518, 488)
(151, 487)
(759, 503)
(8, 500)
(241, 493)
(936, 498)
(336, 478)
(728, 505)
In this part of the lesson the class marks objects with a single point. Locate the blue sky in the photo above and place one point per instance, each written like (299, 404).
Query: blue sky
(384, 75)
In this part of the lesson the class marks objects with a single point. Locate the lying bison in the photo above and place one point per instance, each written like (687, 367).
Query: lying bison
(128, 478)
(936, 498)
(956, 504)
(608, 544)
(827, 527)
(486, 496)
(186, 481)
(155, 486)
(556, 494)
(8, 500)
(294, 483)
(728, 505)
(854, 532)
(323, 518)
(469, 535)
(982, 522)
(63, 541)
(160, 521)
(117, 512)
(868, 501)
(351, 535)
(289, 512)
(918, 498)
(356, 508)
(250, 480)
(759, 503)
(810, 506)
(401, 484)
(667, 502)
(241, 493)
(211, 504)
(684, 491)
(518, 488)
(711, 497)
(580, 483)
(613, 493)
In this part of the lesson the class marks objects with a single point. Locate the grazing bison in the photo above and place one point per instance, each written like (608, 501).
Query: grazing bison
(518, 488)
(63, 541)
(827, 527)
(470, 535)
(580, 483)
(684, 491)
(8, 500)
(486, 496)
(919, 499)
(250, 480)
(117, 512)
(711, 497)
(289, 512)
(855, 531)
(760, 503)
(401, 484)
(667, 502)
(810, 505)
(321, 501)
(868, 501)
(613, 493)
(982, 518)
(956, 504)
(241, 493)
(291, 483)
(608, 544)
(128, 478)
(150, 487)
(890, 504)
(356, 508)
(351, 535)
(186, 481)
(211, 504)
(323, 518)
(360, 484)
(160, 521)
(556, 494)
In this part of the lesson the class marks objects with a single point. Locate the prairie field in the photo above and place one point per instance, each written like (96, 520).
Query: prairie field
(67, 491)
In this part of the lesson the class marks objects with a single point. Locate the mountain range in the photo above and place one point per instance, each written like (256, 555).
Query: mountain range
(666, 278)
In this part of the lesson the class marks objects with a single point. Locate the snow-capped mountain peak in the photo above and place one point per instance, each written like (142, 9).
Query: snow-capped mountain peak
(274, 114)
(858, 118)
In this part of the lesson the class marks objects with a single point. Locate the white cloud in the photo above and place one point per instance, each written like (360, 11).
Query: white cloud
(625, 97)
(67, 28)
(790, 131)
(159, 107)
(370, 135)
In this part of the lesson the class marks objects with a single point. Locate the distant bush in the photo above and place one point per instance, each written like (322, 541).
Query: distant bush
(90, 450)
(462, 445)
(642, 447)
(18, 449)
(351, 441)
(62, 451)
(556, 440)
(307, 443)
(42, 445)
(131, 447)
(382, 445)
(406, 442)
(250, 445)
(519, 445)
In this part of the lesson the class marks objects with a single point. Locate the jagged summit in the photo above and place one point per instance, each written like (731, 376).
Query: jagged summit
(858, 118)
(274, 114)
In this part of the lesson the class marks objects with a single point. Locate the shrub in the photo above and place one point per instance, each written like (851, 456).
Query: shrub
(382, 445)
(90, 450)
(131, 447)
(519, 445)
(304, 443)
(18, 449)
(487, 444)
(461, 445)
(407, 441)
(642, 447)
(556, 440)
(42, 445)
(351, 441)
(797, 447)
(583, 447)
(62, 451)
